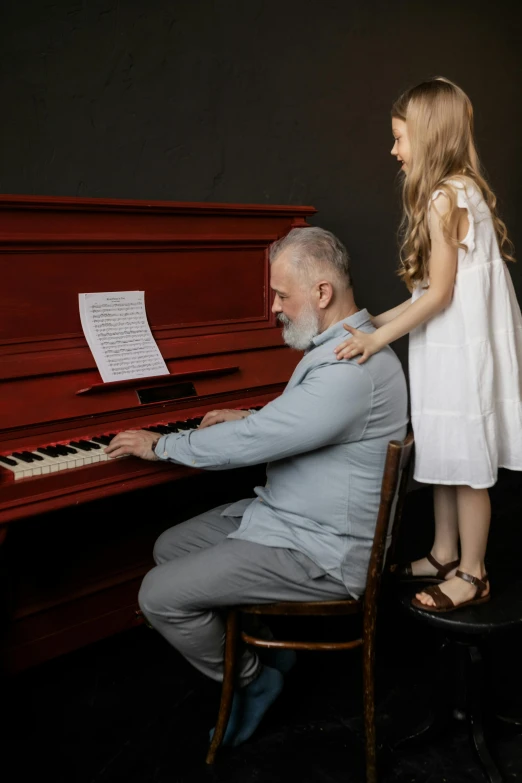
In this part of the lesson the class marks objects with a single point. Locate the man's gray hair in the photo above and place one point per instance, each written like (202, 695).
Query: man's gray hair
(313, 250)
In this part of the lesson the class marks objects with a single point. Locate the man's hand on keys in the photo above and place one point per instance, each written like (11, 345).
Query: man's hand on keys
(133, 443)
(140, 443)
(216, 417)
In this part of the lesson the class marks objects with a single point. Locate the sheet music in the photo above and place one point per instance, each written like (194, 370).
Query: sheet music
(117, 331)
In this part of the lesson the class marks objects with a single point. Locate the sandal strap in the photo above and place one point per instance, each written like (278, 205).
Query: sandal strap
(442, 570)
(434, 563)
(442, 601)
(480, 584)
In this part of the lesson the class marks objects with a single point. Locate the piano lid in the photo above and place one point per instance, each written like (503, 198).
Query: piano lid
(204, 269)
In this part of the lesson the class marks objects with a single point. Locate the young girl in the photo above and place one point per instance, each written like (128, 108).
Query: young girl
(465, 355)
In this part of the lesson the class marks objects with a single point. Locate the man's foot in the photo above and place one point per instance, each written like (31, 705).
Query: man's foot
(257, 698)
(457, 589)
(234, 722)
(250, 704)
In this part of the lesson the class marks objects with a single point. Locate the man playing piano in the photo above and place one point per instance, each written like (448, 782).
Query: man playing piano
(308, 533)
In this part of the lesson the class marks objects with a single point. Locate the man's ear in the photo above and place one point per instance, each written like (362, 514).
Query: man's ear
(325, 293)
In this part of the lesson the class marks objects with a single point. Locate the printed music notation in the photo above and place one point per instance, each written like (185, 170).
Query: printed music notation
(117, 332)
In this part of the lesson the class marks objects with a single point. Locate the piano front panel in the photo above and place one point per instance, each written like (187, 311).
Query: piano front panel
(180, 281)
(54, 399)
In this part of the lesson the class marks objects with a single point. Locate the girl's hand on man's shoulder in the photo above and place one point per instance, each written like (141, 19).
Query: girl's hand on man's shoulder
(361, 344)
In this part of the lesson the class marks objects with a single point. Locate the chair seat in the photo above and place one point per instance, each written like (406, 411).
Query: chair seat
(502, 612)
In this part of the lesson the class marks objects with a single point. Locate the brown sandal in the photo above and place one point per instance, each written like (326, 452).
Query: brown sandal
(404, 573)
(443, 602)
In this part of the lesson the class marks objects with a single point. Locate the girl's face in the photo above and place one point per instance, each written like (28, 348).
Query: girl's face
(401, 148)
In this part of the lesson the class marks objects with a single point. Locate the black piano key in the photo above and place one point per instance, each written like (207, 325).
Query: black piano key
(161, 428)
(91, 444)
(173, 426)
(80, 444)
(8, 461)
(153, 429)
(63, 449)
(37, 457)
(47, 451)
(23, 456)
(103, 439)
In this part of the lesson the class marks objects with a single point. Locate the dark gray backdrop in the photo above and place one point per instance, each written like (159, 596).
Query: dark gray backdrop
(281, 101)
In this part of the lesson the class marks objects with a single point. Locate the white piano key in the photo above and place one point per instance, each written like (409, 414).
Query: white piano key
(47, 464)
(44, 463)
(60, 462)
(68, 461)
(20, 471)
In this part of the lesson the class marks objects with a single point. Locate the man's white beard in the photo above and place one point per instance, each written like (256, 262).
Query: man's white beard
(299, 333)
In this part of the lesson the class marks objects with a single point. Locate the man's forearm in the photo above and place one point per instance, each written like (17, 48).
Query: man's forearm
(331, 403)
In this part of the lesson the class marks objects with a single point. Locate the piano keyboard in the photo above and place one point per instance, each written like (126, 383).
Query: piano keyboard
(77, 453)
(81, 452)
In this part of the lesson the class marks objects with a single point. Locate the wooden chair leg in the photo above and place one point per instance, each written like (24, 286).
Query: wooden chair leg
(227, 690)
(369, 710)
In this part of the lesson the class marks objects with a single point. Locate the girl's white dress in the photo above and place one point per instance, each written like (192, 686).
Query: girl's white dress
(465, 366)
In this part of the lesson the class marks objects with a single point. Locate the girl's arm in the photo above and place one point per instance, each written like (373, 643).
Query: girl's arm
(389, 315)
(443, 270)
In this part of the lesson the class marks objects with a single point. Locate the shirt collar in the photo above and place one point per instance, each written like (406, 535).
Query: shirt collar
(358, 319)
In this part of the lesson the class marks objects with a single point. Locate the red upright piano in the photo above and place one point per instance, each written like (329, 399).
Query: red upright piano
(205, 273)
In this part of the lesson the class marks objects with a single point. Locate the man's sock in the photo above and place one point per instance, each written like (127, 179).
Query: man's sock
(234, 722)
(250, 704)
(282, 660)
(256, 699)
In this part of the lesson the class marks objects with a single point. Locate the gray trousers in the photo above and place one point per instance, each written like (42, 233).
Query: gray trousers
(200, 571)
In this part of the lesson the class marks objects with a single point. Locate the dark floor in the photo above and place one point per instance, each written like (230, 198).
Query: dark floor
(129, 709)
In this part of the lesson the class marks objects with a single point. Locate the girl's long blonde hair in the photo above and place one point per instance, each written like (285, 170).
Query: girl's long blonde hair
(439, 118)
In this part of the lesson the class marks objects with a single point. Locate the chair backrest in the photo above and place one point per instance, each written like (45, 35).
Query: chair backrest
(393, 492)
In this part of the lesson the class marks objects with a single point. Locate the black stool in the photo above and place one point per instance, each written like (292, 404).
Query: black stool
(464, 633)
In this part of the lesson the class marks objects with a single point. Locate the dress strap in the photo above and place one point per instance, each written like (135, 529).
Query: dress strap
(463, 201)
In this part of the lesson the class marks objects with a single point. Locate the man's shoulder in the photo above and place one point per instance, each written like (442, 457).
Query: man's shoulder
(322, 365)
(377, 371)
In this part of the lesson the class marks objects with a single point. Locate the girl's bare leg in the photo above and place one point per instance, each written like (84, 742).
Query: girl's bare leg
(445, 545)
(474, 515)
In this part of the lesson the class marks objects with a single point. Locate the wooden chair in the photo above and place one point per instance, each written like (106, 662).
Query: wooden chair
(393, 490)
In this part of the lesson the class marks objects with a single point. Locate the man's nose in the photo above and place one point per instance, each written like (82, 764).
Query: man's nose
(276, 305)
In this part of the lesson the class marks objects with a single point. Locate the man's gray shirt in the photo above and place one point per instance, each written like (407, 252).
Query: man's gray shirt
(325, 439)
